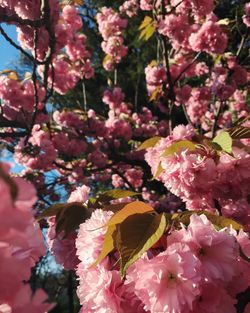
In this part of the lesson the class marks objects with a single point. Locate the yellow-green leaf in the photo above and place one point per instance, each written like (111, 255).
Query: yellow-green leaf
(150, 31)
(136, 235)
(179, 146)
(155, 93)
(136, 207)
(221, 221)
(108, 245)
(160, 169)
(224, 21)
(147, 28)
(105, 197)
(147, 20)
(223, 141)
(116, 194)
(151, 142)
(106, 59)
(217, 58)
(153, 63)
(218, 221)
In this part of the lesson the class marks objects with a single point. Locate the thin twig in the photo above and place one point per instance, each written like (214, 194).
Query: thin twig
(7, 38)
(186, 68)
(84, 96)
(216, 118)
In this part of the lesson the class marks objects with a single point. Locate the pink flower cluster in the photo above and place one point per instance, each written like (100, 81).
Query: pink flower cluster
(70, 64)
(209, 38)
(187, 35)
(74, 64)
(26, 9)
(21, 110)
(155, 77)
(196, 272)
(101, 289)
(199, 177)
(110, 26)
(133, 177)
(38, 152)
(129, 7)
(21, 245)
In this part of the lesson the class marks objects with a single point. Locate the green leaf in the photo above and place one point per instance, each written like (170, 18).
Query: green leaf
(53, 210)
(68, 216)
(151, 142)
(224, 21)
(222, 222)
(136, 207)
(147, 28)
(223, 141)
(106, 59)
(116, 194)
(160, 169)
(10, 182)
(179, 146)
(108, 245)
(136, 235)
(239, 132)
(102, 199)
(218, 221)
(71, 216)
(217, 58)
(155, 93)
(147, 20)
(114, 207)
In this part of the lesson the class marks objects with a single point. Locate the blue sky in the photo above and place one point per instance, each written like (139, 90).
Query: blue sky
(8, 54)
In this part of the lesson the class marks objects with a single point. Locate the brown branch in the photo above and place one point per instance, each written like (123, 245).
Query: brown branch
(34, 80)
(216, 118)
(10, 41)
(14, 18)
(13, 135)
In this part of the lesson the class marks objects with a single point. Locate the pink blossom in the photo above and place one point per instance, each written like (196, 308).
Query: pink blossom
(187, 174)
(168, 282)
(38, 153)
(21, 244)
(209, 38)
(202, 7)
(129, 7)
(99, 290)
(217, 250)
(90, 237)
(80, 194)
(177, 28)
(113, 98)
(246, 17)
(62, 248)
